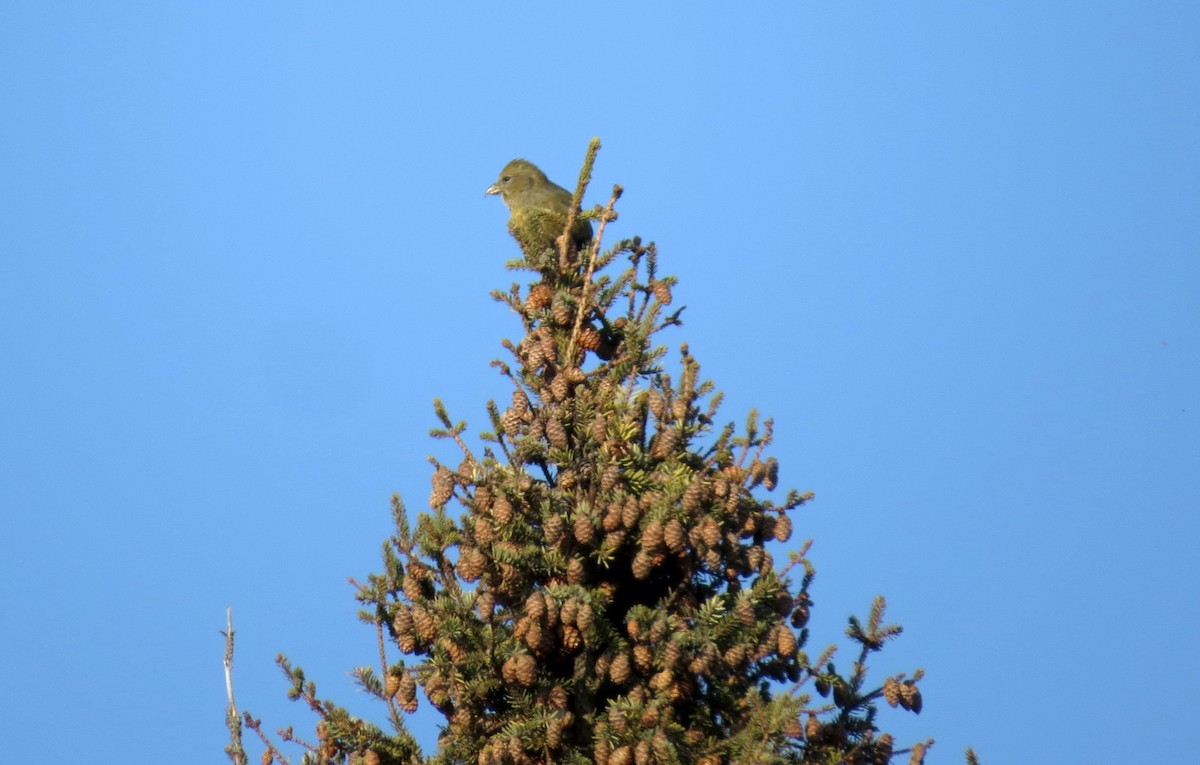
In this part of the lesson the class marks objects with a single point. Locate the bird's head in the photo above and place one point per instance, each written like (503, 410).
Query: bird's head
(518, 178)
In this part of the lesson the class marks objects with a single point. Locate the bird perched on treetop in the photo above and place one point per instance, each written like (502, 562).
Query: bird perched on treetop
(537, 207)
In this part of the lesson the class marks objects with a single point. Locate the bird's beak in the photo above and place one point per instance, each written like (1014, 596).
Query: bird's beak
(493, 189)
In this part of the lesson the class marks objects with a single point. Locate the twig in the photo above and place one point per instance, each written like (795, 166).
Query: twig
(587, 279)
(383, 669)
(256, 726)
(585, 177)
(235, 750)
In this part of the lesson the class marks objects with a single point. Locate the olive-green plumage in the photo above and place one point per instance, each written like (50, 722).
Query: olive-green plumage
(537, 207)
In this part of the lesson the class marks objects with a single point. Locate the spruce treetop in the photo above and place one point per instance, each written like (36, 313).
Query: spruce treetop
(597, 584)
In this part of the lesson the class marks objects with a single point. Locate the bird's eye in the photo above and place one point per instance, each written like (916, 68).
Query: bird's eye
(506, 178)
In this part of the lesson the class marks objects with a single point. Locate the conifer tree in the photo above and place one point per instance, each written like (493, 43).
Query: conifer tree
(597, 584)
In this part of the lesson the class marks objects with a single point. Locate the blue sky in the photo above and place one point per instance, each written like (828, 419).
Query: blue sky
(951, 248)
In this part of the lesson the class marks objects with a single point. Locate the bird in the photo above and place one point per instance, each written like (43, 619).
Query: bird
(537, 207)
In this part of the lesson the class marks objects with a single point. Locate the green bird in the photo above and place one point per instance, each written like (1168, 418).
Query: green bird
(537, 207)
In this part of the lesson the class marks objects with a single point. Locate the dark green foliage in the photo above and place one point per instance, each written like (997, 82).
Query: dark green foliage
(598, 585)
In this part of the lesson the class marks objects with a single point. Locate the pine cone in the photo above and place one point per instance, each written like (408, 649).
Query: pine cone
(436, 690)
(695, 495)
(652, 536)
(402, 624)
(561, 311)
(800, 613)
(612, 517)
(482, 499)
(713, 562)
(545, 336)
(786, 642)
(679, 409)
(556, 434)
(511, 421)
(613, 540)
(520, 401)
(576, 573)
(585, 532)
(674, 535)
(616, 719)
(424, 623)
(622, 755)
(406, 693)
(560, 388)
(523, 669)
(883, 749)
(471, 564)
(735, 657)
(601, 750)
(566, 478)
(600, 428)
(642, 565)
(554, 731)
(891, 691)
(656, 403)
(589, 338)
(485, 603)
(631, 513)
(443, 487)
(585, 617)
(533, 636)
(665, 443)
(554, 529)
(612, 474)
(633, 629)
(671, 654)
(663, 680)
(783, 528)
(662, 292)
(414, 583)
(643, 658)
(745, 611)
(771, 480)
(755, 556)
(502, 510)
(540, 296)
(535, 606)
(620, 669)
(516, 750)
(572, 639)
(569, 611)
(533, 355)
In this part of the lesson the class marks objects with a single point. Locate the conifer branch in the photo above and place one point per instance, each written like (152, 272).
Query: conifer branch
(587, 278)
(272, 752)
(233, 720)
(585, 177)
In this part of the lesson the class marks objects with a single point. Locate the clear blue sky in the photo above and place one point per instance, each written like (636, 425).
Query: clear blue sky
(953, 248)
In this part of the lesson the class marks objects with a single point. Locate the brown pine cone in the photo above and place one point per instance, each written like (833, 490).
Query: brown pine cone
(540, 296)
(585, 532)
(589, 338)
(674, 535)
(642, 565)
